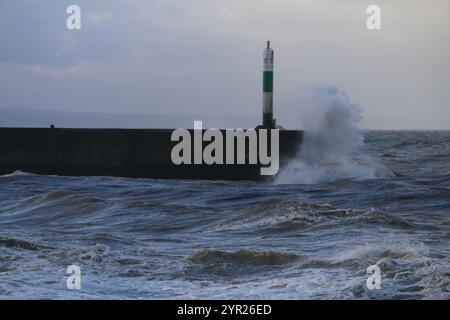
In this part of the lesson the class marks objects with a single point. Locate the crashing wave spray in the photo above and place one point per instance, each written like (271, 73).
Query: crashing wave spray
(331, 143)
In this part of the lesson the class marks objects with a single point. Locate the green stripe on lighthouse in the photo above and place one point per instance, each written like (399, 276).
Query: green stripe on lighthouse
(267, 81)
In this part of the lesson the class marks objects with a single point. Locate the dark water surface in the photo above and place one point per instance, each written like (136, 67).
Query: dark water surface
(292, 239)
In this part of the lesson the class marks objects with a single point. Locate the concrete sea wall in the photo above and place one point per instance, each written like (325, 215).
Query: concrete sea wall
(137, 153)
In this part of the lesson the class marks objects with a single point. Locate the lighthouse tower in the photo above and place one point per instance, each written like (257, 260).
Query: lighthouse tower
(267, 105)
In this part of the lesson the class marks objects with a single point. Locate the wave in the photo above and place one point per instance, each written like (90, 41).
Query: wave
(54, 207)
(21, 244)
(290, 215)
(17, 173)
(331, 147)
(209, 264)
(242, 256)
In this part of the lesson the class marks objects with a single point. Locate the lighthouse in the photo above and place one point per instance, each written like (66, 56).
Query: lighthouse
(267, 103)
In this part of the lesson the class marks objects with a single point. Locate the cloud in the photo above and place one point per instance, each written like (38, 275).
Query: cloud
(204, 56)
(58, 73)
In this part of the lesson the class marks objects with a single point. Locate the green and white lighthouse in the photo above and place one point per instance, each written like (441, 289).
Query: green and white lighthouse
(267, 107)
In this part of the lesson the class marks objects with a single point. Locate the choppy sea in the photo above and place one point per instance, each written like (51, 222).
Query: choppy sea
(311, 234)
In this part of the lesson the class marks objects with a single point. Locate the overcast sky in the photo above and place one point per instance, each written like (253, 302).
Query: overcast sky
(204, 57)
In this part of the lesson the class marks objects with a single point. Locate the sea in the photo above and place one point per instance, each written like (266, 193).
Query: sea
(312, 233)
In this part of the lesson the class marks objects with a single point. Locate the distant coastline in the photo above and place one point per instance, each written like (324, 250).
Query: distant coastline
(10, 117)
(28, 118)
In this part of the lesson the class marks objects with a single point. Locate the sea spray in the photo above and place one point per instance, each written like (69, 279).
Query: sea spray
(331, 144)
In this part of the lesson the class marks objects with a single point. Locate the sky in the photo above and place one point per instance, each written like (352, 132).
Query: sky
(204, 57)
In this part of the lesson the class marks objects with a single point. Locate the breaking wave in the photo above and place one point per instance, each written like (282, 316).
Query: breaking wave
(331, 144)
(16, 173)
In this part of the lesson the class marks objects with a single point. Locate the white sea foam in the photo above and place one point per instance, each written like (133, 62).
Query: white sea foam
(16, 173)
